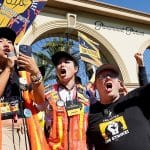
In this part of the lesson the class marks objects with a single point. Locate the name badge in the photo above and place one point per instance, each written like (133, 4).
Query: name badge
(73, 107)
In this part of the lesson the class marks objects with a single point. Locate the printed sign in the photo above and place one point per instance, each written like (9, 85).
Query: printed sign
(19, 14)
(88, 50)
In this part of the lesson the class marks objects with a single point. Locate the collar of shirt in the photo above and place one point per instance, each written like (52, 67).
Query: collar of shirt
(67, 95)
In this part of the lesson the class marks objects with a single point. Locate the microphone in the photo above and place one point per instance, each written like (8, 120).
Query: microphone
(11, 54)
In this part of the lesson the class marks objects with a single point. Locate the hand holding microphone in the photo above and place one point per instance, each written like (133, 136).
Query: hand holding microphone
(11, 59)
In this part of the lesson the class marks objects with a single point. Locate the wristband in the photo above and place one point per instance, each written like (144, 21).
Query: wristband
(36, 78)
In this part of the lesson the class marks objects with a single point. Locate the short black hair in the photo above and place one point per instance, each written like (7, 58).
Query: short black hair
(60, 54)
(8, 33)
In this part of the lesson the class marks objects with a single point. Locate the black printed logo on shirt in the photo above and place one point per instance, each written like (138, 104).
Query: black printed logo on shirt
(113, 129)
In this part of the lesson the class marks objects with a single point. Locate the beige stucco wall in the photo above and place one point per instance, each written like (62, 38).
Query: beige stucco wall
(118, 42)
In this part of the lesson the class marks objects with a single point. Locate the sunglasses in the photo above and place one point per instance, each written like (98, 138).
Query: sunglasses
(112, 75)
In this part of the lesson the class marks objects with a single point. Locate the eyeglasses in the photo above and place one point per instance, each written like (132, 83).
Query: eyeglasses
(105, 75)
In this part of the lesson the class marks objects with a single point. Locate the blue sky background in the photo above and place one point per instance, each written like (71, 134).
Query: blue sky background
(138, 5)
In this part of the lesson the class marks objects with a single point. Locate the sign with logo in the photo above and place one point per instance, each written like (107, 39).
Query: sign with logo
(19, 14)
(113, 129)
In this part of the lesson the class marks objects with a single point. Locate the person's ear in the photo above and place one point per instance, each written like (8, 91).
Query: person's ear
(123, 87)
(94, 85)
(121, 83)
(76, 68)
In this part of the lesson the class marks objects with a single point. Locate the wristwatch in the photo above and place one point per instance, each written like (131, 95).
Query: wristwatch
(36, 78)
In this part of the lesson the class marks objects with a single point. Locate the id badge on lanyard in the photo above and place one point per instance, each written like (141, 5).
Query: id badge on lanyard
(73, 107)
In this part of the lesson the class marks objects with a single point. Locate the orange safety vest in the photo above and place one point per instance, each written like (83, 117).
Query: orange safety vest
(68, 132)
(36, 135)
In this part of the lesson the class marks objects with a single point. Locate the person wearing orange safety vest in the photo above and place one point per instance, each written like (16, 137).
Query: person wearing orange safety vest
(19, 127)
(67, 107)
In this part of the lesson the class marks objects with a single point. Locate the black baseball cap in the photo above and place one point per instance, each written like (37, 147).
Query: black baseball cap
(8, 33)
(58, 55)
(107, 67)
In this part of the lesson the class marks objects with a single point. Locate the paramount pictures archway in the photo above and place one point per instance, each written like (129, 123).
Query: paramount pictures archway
(119, 32)
(107, 52)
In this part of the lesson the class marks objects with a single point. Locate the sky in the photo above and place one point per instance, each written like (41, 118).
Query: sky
(138, 5)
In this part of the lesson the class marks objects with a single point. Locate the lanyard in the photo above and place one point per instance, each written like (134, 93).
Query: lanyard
(67, 95)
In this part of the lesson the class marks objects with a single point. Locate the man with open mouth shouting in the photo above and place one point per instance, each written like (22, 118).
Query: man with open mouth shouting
(117, 121)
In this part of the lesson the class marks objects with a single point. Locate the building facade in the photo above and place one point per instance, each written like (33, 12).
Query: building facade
(120, 32)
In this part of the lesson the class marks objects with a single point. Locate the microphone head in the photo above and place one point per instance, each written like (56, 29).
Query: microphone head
(11, 54)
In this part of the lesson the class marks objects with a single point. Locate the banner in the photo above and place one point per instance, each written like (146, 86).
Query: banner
(19, 14)
(89, 51)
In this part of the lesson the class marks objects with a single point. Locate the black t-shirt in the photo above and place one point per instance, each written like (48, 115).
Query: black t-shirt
(122, 125)
(12, 87)
(12, 96)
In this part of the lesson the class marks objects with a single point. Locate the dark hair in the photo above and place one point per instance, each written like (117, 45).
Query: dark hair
(8, 33)
(58, 55)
